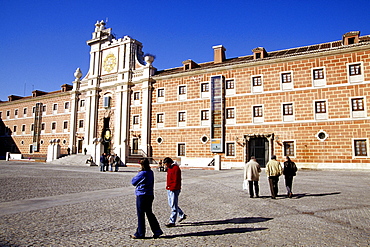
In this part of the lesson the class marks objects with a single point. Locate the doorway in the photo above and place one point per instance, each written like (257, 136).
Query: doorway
(79, 146)
(259, 148)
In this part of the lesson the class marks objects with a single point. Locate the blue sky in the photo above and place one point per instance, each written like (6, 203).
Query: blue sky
(43, 42)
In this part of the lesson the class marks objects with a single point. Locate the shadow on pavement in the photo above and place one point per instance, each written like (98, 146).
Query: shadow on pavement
(217, 232)
(245, 220)
(309, 194)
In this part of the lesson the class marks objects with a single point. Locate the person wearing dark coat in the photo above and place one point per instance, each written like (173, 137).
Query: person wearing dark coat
(290, 170)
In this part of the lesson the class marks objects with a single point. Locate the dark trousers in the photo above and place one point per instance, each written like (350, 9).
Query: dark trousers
(256, 188)
(273, 181)
(144, 206)
(288, 184)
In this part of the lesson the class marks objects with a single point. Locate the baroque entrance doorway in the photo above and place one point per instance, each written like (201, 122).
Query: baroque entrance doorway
(259, 146)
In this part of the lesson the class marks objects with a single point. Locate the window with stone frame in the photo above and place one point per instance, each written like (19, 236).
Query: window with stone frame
(355, 69)
(257, 111)
(160, 118)
(136, 119)
(81, 124)
(182, 116)
(136, 95)
(288, 148)
(230, 84)
(160, 92)
(23, 127)
(181, 149)
(204, 115)
(357, 104)
(320, 106)
(286, 77)
(288, 109)
(204, 87)
(230, 113)
(65, 125)
(182, 90)
(230, 149)
(318, 74)
(53, 125)
(257, 81)
(360, 147)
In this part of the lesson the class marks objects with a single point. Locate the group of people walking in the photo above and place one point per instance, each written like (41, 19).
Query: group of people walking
(108, 162)
(274, 170)
(144, 183)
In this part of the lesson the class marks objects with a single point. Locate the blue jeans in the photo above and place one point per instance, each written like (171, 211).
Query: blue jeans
(144, 206)
(173, 201)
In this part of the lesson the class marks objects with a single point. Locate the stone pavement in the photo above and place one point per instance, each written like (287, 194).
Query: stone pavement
(60, 205)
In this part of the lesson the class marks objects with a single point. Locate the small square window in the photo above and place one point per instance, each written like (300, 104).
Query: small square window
(137, 96)
(318, 74)
(181, 149)
(65, 125)
(230, 113)
(44, 108)
(204, 115)
(320, 106)
(204, 87)
(257, 81)
(357, 104)
(286, 77)
(66, 105)
(360, 147)
(160, 118)
(230, 149)
(55, 107)
(257, 111)
(136, 119)
(161, 92)
(288, 148)
(354, 69)
(230, 84)
(182, 116)
(288, 109)
(182, 90)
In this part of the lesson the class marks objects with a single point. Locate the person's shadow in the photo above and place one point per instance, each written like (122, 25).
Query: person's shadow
(320, 194)
(234, 230)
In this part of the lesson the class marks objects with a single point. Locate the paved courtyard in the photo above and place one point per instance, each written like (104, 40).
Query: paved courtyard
(61, 205)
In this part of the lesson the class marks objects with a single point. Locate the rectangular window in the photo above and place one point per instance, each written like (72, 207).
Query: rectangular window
(161, 92)
(1, 114)
(55, 107)
(53, 126)
(66, 105)
(106, 102)
(65, 125)
(160, 118)
(182, 116)
(16, 112)
(43, 126)
(230, 84)
(137, 96)
(354, 69)
(257, 111)
(23, 127)
(320, 106)
(81, 124)
(8, 113)
(286, 77)
(357, 104)
(204, 115)
(230, 113)
(288, 109)
(289, 148)
(24, 111)
(136, 119)
(318, 74)
(32, 127)
(230, 149)
(257, 81)
(82, 103)
(44, 108)
(204, 87)
(182, 90)
(15, 128)
(181, 149)
(360, 147)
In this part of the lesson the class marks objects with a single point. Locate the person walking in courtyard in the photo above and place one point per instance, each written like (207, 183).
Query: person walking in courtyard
(103, 161)
(111, 162)
(290, 170)
(173, 191)
(144, 182)
(252, 174)
(273, 171)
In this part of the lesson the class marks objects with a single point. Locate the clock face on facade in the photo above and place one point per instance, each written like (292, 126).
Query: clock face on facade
(109, 62)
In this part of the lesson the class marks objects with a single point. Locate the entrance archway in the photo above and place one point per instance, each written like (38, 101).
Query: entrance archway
(259, 146)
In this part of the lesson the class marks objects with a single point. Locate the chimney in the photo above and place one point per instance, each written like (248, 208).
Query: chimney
(219, 53)
(351, 38)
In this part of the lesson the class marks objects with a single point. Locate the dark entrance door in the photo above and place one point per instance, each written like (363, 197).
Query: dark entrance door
(259, 148)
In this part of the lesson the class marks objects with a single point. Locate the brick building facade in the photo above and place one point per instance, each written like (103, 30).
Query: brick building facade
(308, 102)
